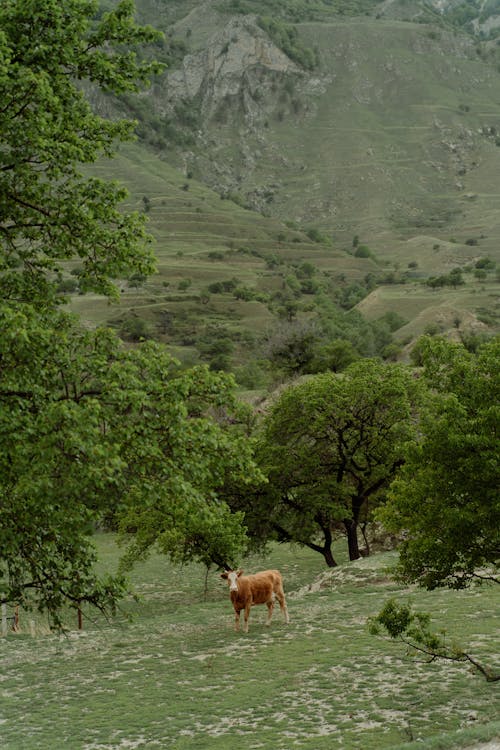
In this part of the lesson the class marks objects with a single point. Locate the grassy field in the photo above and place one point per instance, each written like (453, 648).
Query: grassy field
(177, 676)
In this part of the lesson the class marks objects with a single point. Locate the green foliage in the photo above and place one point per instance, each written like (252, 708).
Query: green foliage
(363, 251)
(486, 264)
(215, 346)
(91, 431)
(454, 279)
(446, 497)
(330, 446)
(393, 319)
(290, 346)
(50, 212)
(134, 328)
(335, 355)
(286, 38)
(222, 287)
(412, 628)
(315, 235)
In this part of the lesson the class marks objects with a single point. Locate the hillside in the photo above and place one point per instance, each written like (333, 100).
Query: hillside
(350, 123)
(392, 130)
(178, 676)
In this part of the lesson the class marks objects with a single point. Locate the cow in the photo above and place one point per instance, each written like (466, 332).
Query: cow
(261, 588)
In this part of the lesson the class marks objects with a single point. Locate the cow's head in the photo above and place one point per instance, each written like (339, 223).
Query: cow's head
(232, 578)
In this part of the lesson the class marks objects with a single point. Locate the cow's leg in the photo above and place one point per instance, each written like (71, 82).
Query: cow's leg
(237, 620)
(270, 607)
(247, 615)
(283, 607)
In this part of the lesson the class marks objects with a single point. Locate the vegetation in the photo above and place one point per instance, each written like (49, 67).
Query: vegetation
(91, 431)
(50, 212)
(99, 434)
(330, 447)
(301, 10)
(286, 37)
(412, 629)
(446, 496)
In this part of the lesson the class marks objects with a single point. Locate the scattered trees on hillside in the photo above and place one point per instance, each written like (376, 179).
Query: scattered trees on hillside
(330, 446)
(446, 496)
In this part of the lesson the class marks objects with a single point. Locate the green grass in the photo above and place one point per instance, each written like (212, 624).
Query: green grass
(179, 677)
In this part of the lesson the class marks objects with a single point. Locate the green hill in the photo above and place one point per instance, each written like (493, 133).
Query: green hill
(290, 133)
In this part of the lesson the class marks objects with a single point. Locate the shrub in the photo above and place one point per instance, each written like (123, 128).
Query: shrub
(485, 263)
(133, 328)
(67, 286)
(363, 251)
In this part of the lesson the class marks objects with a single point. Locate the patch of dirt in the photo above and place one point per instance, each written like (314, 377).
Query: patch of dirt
(363, 572)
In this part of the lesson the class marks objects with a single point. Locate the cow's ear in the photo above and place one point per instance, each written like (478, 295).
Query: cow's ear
(224, 575)
(239, 572)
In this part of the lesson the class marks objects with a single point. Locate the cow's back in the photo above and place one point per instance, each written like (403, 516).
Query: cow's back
(264, 584)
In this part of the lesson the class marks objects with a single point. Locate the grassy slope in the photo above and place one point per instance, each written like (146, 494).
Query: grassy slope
(384, 141)
(377, 145)
(187, 226)
(178, 677)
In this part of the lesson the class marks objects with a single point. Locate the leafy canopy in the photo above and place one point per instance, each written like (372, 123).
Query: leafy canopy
(446, 497)
(91, 431)
(330, 446)
(49, 211)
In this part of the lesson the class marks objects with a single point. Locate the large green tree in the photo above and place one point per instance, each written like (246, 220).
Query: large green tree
(49, 210)
(92, 432)
(330, 447)
(447, 498)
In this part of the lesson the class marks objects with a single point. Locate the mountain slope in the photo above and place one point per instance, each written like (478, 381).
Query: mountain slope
(336, 130)
(391, 132)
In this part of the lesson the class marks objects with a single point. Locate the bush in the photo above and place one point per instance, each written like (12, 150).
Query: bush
(315, 235)
(394, 320)
(362, 251)
(67, 286)
(219, 287)
(486, 263)
(134, 328)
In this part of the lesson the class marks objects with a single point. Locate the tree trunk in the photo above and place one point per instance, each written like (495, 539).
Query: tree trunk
(352, 539)
(329, 559)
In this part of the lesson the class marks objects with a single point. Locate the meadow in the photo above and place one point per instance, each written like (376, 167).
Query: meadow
(169, 671)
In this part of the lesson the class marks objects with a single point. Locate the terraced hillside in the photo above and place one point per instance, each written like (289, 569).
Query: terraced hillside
(220, 266)
(299, 136)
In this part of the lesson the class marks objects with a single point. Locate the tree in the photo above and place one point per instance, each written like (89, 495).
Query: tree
(94, 432)
(413, 629)
(446, 497)
(290, 344)
(330, 446)
(49, 211)
(90, 432)
(336, 355)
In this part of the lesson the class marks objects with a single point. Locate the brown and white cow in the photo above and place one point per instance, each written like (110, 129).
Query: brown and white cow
(261, 588)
